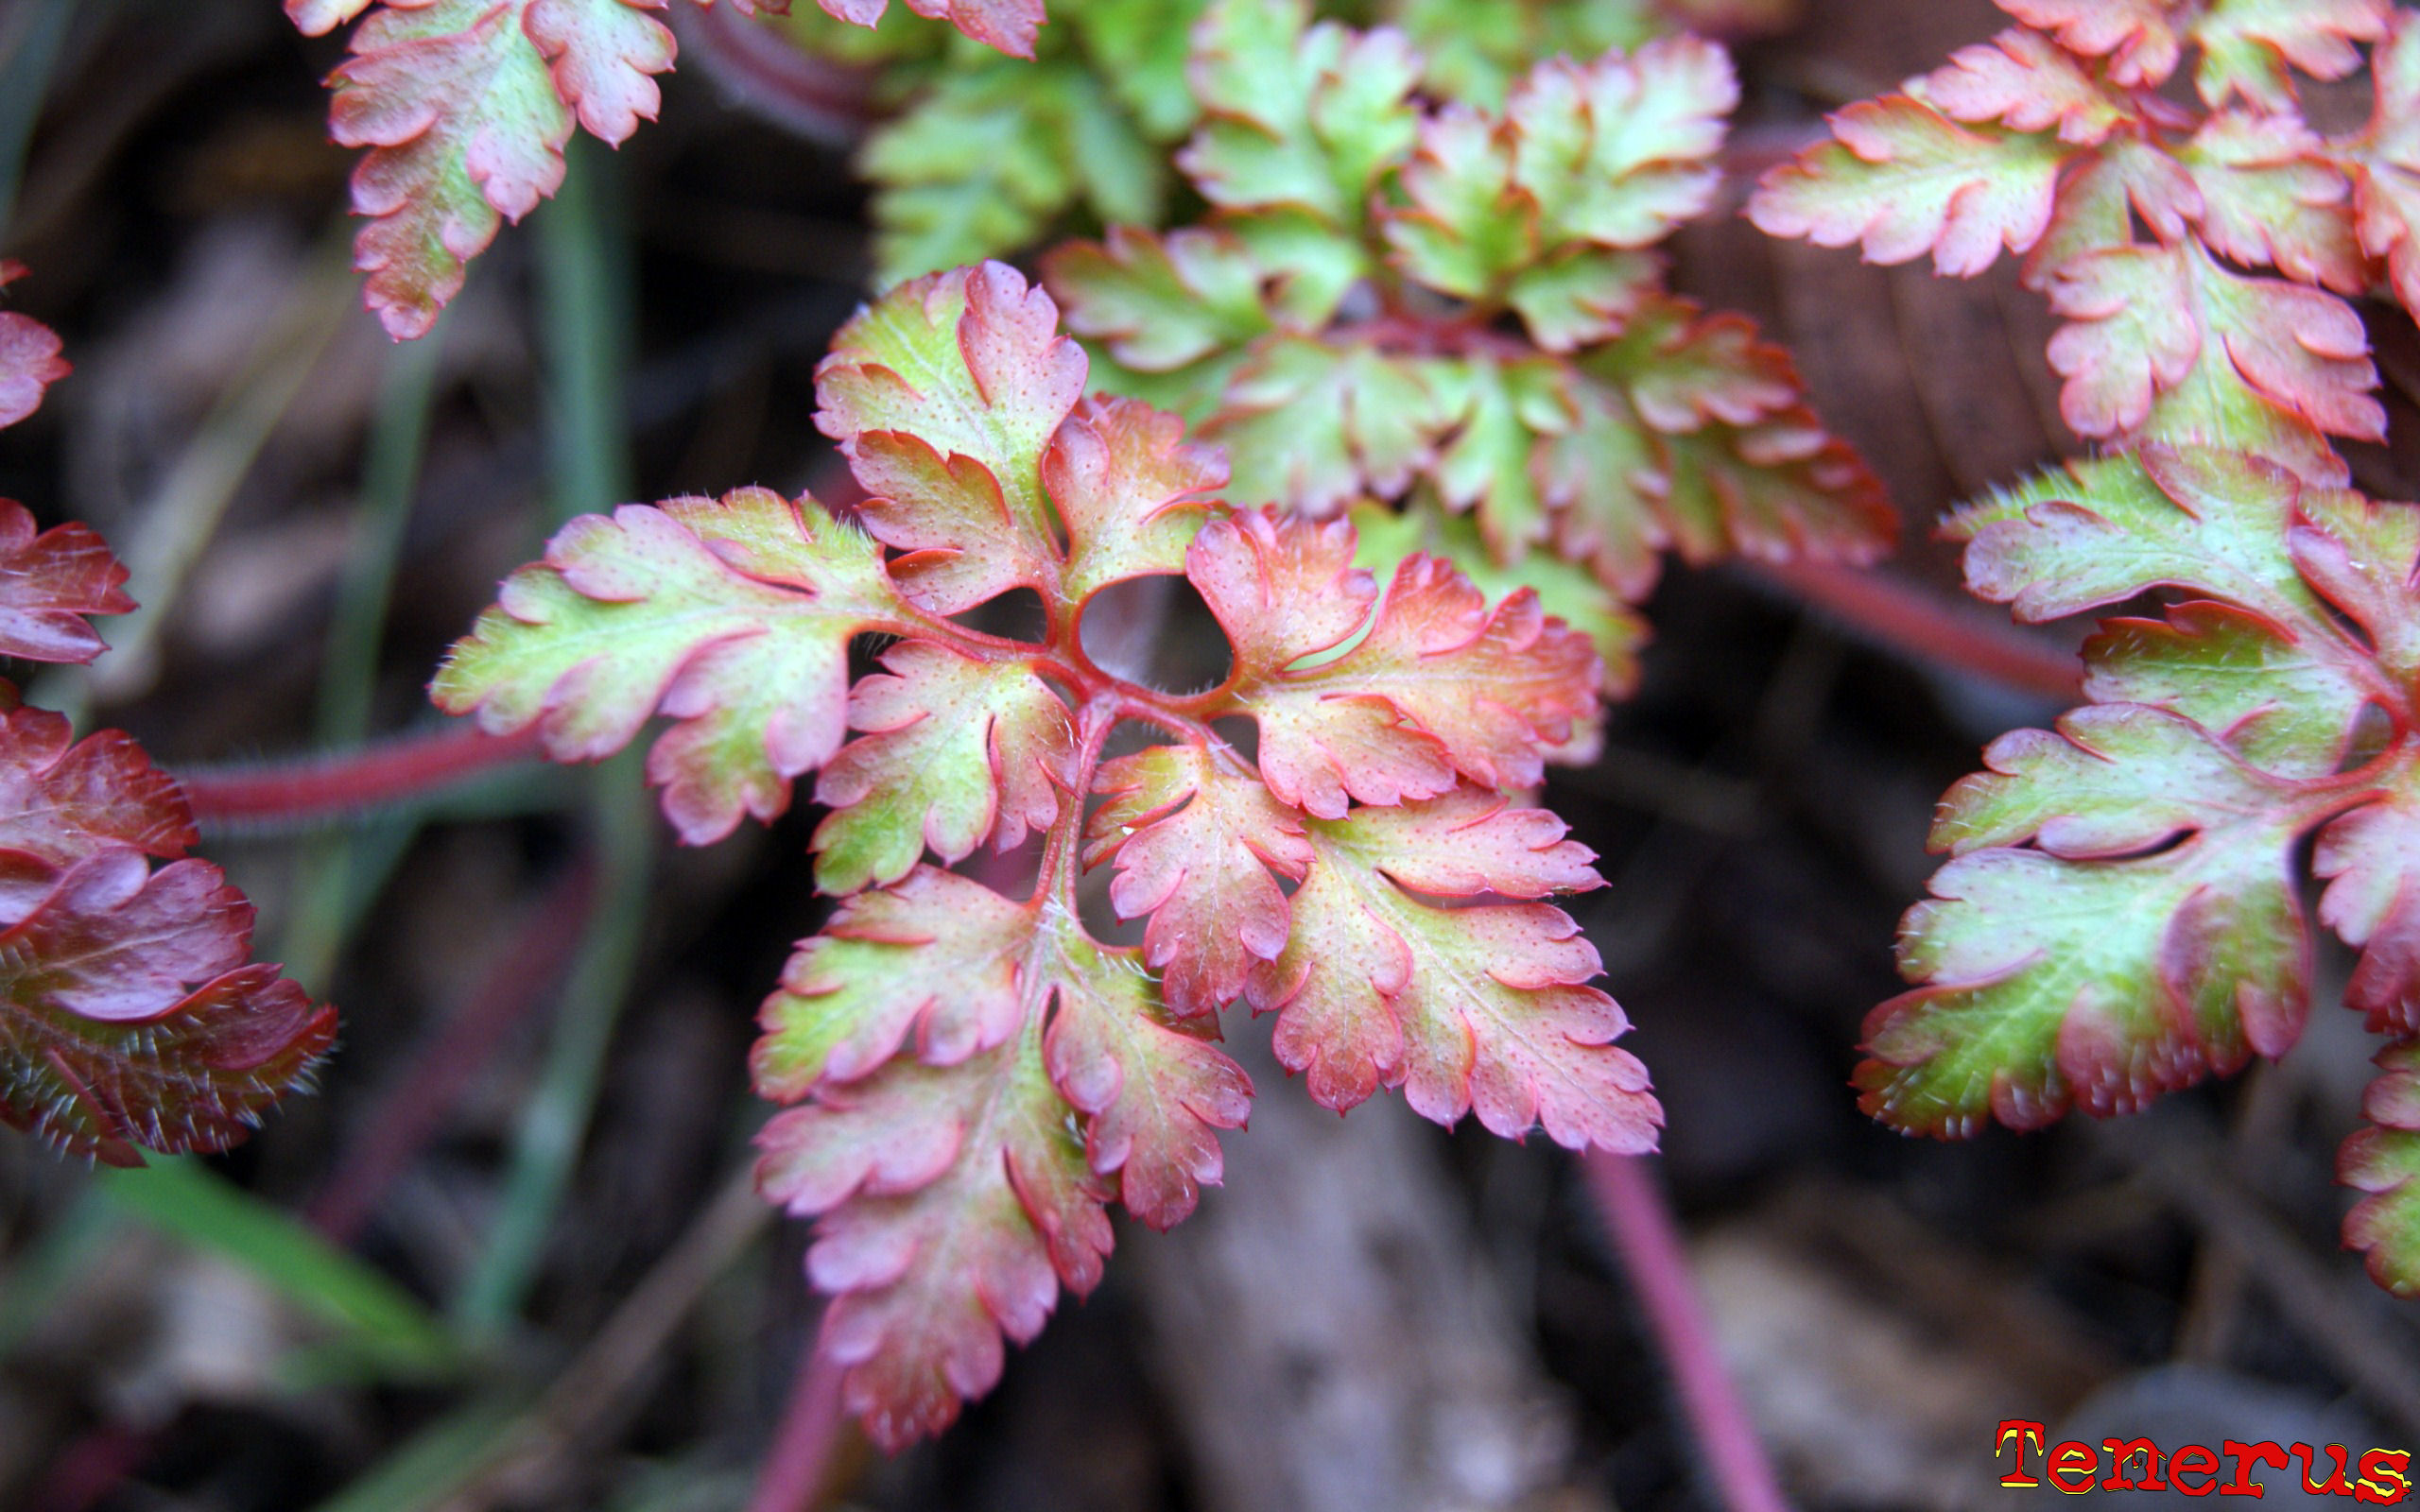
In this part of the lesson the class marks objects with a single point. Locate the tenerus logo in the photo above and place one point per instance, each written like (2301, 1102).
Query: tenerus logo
(2380, 1476)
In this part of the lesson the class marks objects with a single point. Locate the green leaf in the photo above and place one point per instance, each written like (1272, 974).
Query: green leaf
(189, 1200)
(1620, 151)
(1296, 115)
(2046, 982)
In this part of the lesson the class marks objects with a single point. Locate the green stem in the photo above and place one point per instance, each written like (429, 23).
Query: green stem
(329, 873)
(583, 292)
(33, 44)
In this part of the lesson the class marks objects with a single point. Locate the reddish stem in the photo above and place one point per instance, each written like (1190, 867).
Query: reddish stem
(1923, 628)
(1648, 1243)
(799, 1459)
(414, 1107)
(320, 787)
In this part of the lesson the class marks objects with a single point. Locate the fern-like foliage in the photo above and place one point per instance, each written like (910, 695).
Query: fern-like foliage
(129, 1013)
(972, 1079)
(1083, 133)
(2123, 914)
(465, 106)
(1457, 312)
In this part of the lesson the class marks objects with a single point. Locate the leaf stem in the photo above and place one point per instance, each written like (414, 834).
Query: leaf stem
(1639, 1222)
(321, 788)
(1924, 627)
(799, 1459)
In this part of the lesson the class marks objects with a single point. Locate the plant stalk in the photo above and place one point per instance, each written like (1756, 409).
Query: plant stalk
(1639, 1222)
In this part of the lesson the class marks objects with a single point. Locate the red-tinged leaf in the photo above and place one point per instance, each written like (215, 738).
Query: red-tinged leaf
(1567, 588)
(1478, 1008)
(2250, 362)
(2371, 860)
(1129, 487)
(1683, 368)
(2134, 35)
(969, 361)
(1154, 1091)
(1783, 489)
(1902, 180)
(2248, 45)
(2382, 1160)
(29, 359)
(2385, 161)
(63, 799)
(2272, 199)
(127, 1016)
(2024, 81)
(1620, 151)
(1604, 478)
(1196, 841)
(2133, 332)
(954, 1203)
(732, 617)
(947, 514)
(2364, 558)
(466, 106)
(1441, 685)
(935, 955)
(317, 18)
(2115, 780)
(1010, 26)
(958, 751)
(1282, 588)
(2302, 349)
(48, 583)
(2101, 195)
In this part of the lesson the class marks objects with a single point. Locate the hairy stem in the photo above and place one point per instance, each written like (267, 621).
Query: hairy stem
(317, 789)
(1645, 1237)
(799, 1459)
(1922, 627)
